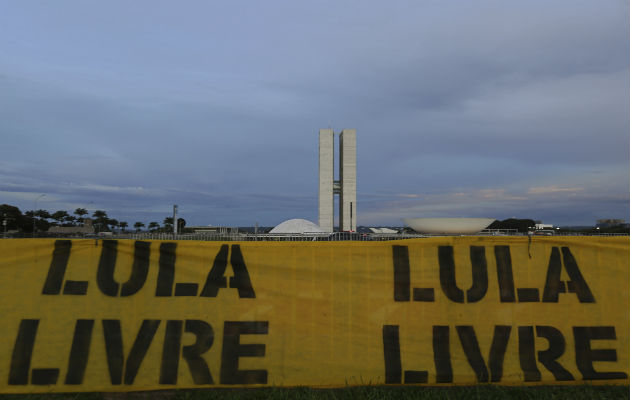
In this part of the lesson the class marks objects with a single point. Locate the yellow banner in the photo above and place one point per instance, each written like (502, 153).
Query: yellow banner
(123, 315)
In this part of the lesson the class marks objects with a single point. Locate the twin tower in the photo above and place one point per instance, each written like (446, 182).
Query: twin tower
(345, 187)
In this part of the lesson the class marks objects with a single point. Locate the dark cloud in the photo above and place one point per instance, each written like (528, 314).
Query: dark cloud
(461, 108)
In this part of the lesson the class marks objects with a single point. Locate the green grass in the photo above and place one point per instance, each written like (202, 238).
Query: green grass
(584, 392)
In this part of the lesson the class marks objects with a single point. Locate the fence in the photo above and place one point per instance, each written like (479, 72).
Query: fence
(277, 237)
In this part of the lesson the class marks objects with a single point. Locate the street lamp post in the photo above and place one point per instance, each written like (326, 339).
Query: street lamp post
(174, 219)
(35, 209)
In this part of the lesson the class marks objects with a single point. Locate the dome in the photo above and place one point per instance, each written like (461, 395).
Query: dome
(296, 226)
(383, 230)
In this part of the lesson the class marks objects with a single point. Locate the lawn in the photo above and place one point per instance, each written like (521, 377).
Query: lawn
(581, 392)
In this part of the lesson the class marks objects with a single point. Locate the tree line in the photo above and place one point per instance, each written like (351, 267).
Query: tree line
(42, 220)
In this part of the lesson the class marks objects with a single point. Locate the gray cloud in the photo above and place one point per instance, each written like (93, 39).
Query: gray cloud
(216, 107)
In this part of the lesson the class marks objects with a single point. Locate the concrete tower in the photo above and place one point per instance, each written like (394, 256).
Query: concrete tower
(345, 187)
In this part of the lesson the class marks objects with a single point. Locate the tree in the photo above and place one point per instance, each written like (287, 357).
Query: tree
(99, 214)
(41, 223)
(15, 219)
(181, 224)
(123, 225)
(70, 220)
(30, 220)
(521, 225)
(168, 224)
(43, 214)
(112, 223)
(153, 226)
(80, 212)
(138, 226)
(59, 216)
(100, 219)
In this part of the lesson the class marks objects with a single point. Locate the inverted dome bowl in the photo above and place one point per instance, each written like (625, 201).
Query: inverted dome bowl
(448, 225)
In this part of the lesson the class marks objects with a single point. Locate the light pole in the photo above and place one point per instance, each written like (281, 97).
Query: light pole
(174, 219)
(35, 209)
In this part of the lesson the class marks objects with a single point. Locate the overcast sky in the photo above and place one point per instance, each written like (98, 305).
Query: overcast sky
(462, 108)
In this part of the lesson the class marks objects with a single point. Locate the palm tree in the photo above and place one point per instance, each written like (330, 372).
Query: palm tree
(100, 219)
(181, 224)
(153, 225)
(123, 225)
(138, 225)
(43, 214)
(70, 220)
(59, 216)
(35, 223)
(168, 224)
(99, 215)
(112, 222)
(80, 212)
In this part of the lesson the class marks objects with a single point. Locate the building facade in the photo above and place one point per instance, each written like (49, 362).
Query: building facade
(345, 186)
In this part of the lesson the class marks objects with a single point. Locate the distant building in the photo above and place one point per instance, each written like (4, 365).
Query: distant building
(540, 226)
(607, 223)
(211, 229)
(345, 187)
(85, 229)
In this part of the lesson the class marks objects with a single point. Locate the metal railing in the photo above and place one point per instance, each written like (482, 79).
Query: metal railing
(271, 237)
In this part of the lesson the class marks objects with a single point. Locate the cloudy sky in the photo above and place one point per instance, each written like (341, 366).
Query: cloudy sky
(462, 108)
